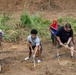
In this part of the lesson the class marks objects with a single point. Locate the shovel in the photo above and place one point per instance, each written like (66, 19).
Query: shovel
(69, 48)
(34, 60)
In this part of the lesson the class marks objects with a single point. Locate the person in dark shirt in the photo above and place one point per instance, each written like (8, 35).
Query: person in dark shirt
(65, 35)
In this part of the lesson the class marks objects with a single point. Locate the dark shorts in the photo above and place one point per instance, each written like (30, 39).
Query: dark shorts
(70, 44)
(33, 47)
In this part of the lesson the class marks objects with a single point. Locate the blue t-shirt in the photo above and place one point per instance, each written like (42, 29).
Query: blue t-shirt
(54, 31)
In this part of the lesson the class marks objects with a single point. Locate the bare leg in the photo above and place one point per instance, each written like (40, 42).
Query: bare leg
(58, 52)
(55, 42)
(39, 54)
(72, 52)
(30, 53)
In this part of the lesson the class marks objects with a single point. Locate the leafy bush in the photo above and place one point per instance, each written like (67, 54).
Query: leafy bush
(35, 21)
(11, 36)
(71, 20)
(30, 20)
(4, 18)
(15, 30)
(25, 19)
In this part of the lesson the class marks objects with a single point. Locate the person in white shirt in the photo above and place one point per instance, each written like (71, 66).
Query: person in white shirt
(34, 45)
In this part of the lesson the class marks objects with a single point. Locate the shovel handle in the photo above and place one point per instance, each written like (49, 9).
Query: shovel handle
(34, 60)
(68, 48)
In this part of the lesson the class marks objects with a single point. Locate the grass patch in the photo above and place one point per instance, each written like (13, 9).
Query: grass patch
(4, 18)
(63, 20)
(37, 22)
(15, 30)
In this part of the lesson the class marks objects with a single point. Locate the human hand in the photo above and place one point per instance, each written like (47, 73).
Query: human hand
(34, 56)
(66, 46)
(61, 43)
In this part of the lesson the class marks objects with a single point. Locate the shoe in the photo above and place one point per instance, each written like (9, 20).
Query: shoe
(72, 56)
(27, 58)
(58, 56)
(38, 61)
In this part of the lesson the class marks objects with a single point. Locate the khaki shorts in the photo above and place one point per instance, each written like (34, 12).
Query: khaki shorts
(59, 46)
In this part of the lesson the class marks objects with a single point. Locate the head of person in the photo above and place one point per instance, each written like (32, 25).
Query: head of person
(33, 33)
(67, 27)
(54, 22)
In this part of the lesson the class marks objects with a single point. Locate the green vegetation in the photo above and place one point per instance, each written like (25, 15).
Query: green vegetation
(71, 20)
(37, 22)
(4, 18)
(15, 30)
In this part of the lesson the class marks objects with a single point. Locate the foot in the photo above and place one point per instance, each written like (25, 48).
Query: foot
(27, 58)
(38, 61)
(58, 56)
(72, 56)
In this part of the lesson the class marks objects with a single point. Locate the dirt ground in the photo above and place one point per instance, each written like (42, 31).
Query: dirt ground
(12, 61)
(12, 55)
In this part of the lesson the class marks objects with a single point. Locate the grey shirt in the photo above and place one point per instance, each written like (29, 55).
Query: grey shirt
(34, 42)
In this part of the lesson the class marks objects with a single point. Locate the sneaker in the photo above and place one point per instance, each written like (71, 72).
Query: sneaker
(38, 61)
(27, 58)
(72, 56)
(58, 56)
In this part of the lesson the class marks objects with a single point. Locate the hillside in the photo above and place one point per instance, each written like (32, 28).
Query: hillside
(17, 25)
(52, 5)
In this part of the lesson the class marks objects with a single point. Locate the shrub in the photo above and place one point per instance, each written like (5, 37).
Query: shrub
(25, 20)
(11, 36)
(4, 18)
(63, 20)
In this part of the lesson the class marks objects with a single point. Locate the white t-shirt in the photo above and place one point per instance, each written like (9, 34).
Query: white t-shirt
(2, 33)
(34, 42)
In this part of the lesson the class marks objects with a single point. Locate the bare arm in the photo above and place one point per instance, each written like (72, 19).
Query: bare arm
(58, 38)
(36, 49)
(30, 45)
(69, 40)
